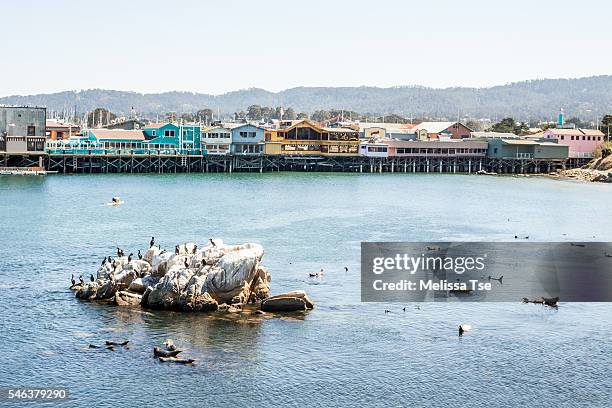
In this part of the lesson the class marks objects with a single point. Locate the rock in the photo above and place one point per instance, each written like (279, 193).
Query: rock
(140, 285)
(125, 298)
(230, 280)
(107, 290)
(194, 300)
(166, 293)
(150, 254)
(88, 291)
(287, 302)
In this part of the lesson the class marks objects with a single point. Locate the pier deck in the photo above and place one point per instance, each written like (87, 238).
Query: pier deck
(194, 163)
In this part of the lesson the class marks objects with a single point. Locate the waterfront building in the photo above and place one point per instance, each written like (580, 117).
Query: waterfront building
(442, 130)
(526, 149)
(181, 137)
(493, 135)
(304, 137)
(56, 130)
(247, 139)
(218, 139)
(22, 130)
(582, 143)
(424, 148)
(116, 140)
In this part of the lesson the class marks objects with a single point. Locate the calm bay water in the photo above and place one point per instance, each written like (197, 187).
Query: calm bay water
(343, 353)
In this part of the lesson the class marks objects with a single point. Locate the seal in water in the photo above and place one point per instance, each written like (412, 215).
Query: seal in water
(176, 360)
(113, 343)
(165, 353)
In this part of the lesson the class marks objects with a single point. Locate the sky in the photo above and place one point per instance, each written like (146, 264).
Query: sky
(226, 45)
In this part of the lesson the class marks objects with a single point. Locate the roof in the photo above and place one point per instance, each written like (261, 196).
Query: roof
(434, 127)
(156, 125)
(496, 135)
(520, 142)
(338, 129)
(576, 132)
(387, 126)
(118, 134)
(456, 143)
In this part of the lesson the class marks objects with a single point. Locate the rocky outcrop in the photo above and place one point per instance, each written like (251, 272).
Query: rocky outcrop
(192, 278)
(287, 302)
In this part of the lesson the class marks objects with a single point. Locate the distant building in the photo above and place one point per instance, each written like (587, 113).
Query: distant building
(402, 131)
(247, 139)
(128, 124)
(304, 137)
(442, 130)
(22, 130)
(581, 142)
(56, 130)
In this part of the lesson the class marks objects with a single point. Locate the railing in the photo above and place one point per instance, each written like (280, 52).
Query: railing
(581, 155)
(524, 156)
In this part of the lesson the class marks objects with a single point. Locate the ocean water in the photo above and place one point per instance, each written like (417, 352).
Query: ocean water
(342, 353)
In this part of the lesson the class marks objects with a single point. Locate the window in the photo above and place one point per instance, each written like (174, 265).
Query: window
(31, 130)
(154, 132)
(583, 137)
(562, 137)
(168, 133)
(572, 137)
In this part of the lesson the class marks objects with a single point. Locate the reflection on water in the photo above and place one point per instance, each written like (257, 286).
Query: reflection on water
(340, 353)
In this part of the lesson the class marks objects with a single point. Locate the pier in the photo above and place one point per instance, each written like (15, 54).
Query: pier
(72, 163)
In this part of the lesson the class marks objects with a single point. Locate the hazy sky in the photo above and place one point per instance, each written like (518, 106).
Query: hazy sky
(225, 45)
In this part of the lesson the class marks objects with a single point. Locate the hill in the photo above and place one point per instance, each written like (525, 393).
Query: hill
(536, 99)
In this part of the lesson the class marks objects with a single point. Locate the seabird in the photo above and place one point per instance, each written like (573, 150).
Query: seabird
(81, 279)
(91, 278)
(130, 257)
(461, 330)
(464, 328)
(103, 261)
(176, 249)
(346, 269)
(152, 242)
(387, 311)
(186, 263)
(404, 309)
(195, 248)
(72, 279)
(212, 242)
(139, 254)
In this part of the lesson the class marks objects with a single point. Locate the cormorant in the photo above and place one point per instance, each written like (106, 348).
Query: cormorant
(152, 242)
(139, 254)
(81, 279)
(119, 252)
(176, 249)
(212, 242)
(346, 269)
(130, 257)
(91, 278)
(195, 248)
(186, 263)
(72, 279)
(103, 261)
(461, 330)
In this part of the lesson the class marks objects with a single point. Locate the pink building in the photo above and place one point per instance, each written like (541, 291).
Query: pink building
(581, 142)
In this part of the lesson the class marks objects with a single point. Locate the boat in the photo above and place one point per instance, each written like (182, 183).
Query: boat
(116, 201)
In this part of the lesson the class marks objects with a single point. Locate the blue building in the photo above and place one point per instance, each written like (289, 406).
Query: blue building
(185, 138)
(247, 139)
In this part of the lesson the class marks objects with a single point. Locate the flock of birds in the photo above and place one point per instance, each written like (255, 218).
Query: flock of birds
(168, 354)
(121, 253)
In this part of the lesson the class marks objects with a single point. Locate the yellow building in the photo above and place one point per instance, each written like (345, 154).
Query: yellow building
(306, 138)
